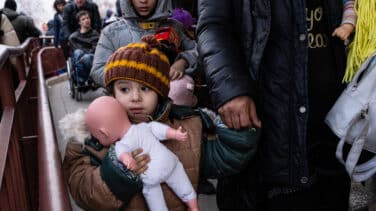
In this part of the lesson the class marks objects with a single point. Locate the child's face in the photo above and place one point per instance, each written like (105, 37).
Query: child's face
(136, 98)
(144, 7)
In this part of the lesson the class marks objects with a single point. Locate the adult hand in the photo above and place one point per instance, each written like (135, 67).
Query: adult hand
(141, 160)
(240, 112)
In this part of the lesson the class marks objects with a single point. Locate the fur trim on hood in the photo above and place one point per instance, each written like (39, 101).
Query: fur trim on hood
(72, 127)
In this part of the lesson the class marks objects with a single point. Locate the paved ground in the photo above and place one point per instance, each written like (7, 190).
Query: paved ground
(62, 104)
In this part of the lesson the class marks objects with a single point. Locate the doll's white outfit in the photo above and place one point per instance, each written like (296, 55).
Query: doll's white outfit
(164, 166)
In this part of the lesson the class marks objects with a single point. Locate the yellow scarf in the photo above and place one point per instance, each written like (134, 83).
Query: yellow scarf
(364, 44)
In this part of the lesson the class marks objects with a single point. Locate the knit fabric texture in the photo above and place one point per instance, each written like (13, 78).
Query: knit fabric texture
(140, 62)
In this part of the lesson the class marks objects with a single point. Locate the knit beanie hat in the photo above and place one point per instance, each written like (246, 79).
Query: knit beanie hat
(140, 62)
(184, 17)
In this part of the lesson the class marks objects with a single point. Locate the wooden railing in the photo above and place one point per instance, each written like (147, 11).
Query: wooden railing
(30, 166)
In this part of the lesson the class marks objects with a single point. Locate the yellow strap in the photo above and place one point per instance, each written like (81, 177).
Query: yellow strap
(147, 25)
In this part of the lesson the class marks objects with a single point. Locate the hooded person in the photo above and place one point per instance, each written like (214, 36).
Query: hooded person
(22, 24)
(140, 18)
(8, 35)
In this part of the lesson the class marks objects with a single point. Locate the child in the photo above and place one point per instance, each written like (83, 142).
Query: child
(142, 18)
(348, 21)
(137, 76)
(107, 121)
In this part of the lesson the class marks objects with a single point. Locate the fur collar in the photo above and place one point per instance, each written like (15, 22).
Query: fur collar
(72, 127)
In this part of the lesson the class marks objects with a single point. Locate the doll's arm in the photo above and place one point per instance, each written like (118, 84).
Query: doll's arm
(127, 159)
(177, 134)
(163, 132)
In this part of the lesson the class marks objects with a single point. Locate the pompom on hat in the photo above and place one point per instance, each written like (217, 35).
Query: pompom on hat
(140, 62)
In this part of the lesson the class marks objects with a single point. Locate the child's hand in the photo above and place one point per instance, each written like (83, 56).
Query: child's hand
(344, 31)
(180, 135)
(177, 69)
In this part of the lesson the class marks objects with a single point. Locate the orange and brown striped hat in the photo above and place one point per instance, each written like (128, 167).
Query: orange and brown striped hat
(140, 62)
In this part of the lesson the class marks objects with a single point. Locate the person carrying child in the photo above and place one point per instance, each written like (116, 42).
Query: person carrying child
(137, 77)
(109, 123)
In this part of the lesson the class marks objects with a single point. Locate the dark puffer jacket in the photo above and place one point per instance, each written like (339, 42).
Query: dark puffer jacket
(23, 25)
(241, 51)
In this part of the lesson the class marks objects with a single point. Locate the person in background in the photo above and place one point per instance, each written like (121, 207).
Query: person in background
(83, 43)
(58, 25)
(141, 18)
(279, 57)
(8, 35)
(71, 9)
(190, 6)
(185, 17)
(23, 25)
(106, 19)
(47, 30)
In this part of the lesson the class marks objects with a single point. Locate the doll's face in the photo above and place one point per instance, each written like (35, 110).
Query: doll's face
(144, 7)
(136, 98)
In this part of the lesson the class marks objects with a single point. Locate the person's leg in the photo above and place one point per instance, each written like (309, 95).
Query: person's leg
(240, 191)
(87, 62)
(78, 65)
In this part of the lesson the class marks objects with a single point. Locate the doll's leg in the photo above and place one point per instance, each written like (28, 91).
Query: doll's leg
(154, 197)
(181, 185)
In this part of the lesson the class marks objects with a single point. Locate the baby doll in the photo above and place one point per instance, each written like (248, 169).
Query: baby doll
(348, 21)
(109, 123)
